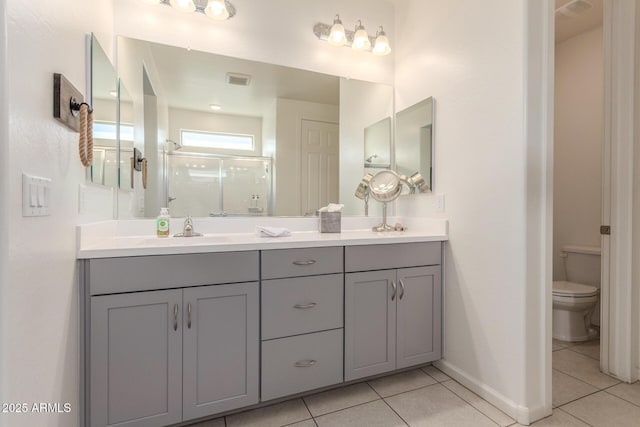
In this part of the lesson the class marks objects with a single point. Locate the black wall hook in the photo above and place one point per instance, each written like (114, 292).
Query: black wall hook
(74, 106)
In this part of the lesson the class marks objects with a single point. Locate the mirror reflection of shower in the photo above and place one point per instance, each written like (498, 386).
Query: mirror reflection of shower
(199, 184)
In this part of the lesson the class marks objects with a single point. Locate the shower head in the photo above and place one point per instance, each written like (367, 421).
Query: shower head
(176, 145)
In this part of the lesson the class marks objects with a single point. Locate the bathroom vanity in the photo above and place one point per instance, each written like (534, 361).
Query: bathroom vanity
(177, 333)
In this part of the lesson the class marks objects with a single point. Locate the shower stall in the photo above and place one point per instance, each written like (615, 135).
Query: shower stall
(200, 184)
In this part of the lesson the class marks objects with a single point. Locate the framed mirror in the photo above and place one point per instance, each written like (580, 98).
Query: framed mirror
(414, 142)
(231, 137)
(104, 169)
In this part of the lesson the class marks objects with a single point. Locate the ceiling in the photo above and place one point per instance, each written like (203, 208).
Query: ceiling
(567, 27)
(193, 80)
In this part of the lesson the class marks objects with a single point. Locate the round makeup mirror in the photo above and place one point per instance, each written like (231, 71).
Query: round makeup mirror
(385, 186)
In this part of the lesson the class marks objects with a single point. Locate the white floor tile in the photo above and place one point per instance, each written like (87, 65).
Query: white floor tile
(479, 403)
(399, 383)
(218, 422)
(340, 398)
(628, 392)
(278, 415)
(589, 348)
(567, 388)
(436, 373)
(605, 410)
(559, 418)
(436, 406)
(372, 414)
(581, 367)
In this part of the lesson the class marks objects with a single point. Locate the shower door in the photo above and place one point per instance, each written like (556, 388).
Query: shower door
(193, 185)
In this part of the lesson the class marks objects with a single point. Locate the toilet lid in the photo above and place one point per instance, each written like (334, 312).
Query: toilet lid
(562, 287)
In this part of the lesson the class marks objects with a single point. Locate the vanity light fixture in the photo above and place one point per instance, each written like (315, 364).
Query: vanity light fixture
(219, 10)
(360, 38)
(381, 45)
(183, 5)
(336, 35)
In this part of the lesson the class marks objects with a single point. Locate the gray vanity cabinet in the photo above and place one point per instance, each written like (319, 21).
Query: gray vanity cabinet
(136, 359)
(161, 357)
(392, 316)
(221, 348)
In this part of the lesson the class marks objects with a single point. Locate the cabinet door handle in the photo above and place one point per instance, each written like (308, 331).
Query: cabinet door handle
(395, 290)
(308, 262)
(189, 315)
(175, 317)
(401, 289)
(305, 363)
(302, 306)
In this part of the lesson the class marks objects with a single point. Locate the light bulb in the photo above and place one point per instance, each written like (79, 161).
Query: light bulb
(183, 5)
(381, 46)
(215, 107)
(360, 38)
(217, 9)
(337, 35)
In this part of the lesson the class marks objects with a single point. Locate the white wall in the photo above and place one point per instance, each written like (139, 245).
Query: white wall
(180, 119)
(471, 57)
(579, 121)
(39, 289)
(361, 104)
(286, 171)
(274, 31)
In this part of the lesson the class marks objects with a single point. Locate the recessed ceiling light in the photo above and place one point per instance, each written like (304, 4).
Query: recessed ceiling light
(215, 107)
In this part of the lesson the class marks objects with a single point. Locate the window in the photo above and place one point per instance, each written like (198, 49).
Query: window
(226, 141)
(107, 130)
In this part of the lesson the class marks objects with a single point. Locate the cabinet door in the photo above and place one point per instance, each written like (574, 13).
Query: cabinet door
(419, 316)
(370, 323)
(136, 359)
(221, 346)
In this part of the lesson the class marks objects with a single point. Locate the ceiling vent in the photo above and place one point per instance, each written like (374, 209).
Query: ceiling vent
(238, 79)
(574, 8)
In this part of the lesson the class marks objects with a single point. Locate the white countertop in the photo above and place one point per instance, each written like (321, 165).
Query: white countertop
(131, 237)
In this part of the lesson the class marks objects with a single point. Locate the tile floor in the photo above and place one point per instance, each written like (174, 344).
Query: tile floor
(582, 396)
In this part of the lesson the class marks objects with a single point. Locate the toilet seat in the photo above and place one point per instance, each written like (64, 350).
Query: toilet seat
(563, 288)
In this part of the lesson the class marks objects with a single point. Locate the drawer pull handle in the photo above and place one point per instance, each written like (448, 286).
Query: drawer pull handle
(395, 290)
(301, 306)
(189, 315)
(175, 317)
(401, 289)
(309, 262)
(305, 363)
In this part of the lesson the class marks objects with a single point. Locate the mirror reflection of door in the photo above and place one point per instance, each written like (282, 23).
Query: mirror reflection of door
(319, 165)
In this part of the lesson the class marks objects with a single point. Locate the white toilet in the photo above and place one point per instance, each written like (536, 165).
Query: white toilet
(574, 302)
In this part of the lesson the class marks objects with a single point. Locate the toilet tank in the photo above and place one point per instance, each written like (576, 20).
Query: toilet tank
(582, 264)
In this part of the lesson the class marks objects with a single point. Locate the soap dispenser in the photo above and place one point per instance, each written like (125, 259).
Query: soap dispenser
(162, 223)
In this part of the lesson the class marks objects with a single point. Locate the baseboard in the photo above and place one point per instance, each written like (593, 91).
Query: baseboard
(521, 414)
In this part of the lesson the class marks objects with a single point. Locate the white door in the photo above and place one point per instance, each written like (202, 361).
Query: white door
(319, 165)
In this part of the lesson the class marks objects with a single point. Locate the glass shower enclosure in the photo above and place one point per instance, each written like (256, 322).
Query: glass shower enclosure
(199, 184)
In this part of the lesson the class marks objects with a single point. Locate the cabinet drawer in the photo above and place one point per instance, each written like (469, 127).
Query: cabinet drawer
(304, 362)
(128, 274)
(301, 304)
(281, 263)
(398, 255)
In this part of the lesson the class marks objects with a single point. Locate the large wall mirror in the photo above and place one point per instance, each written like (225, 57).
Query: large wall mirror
(223, 136)
(414, 142)
(104, 169)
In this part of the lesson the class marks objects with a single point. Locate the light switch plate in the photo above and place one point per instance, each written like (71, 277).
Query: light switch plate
(440, 203)
(36, 196)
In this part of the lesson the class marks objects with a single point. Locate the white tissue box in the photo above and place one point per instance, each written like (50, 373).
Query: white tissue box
(329, 222)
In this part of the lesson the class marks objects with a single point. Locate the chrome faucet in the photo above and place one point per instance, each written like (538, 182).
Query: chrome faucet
(188, 229)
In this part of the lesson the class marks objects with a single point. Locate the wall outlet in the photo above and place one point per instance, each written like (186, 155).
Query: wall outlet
(440, 203)
(36, 196)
